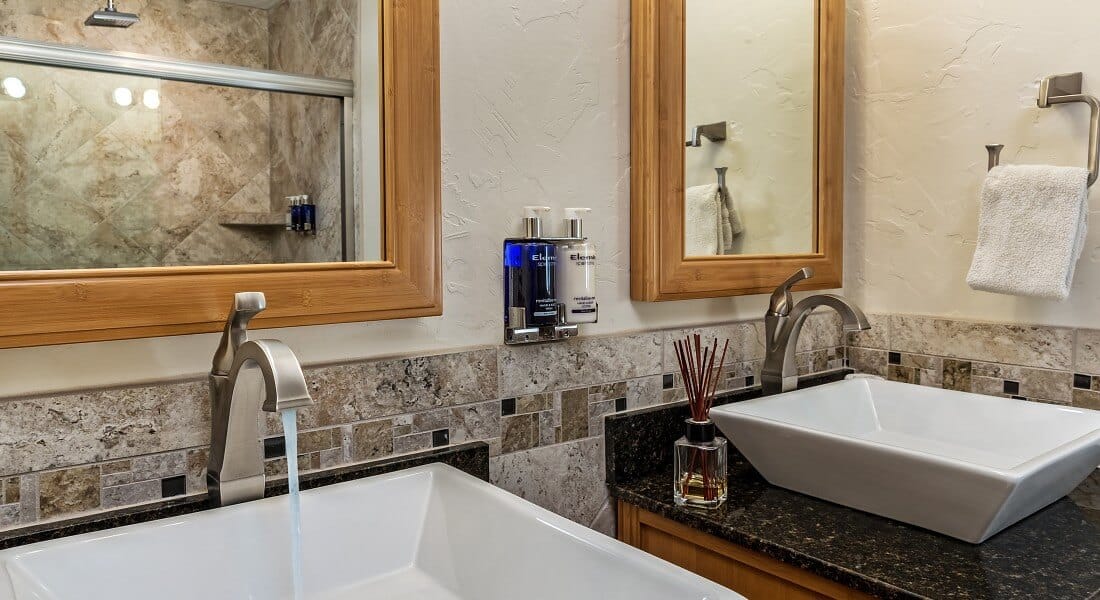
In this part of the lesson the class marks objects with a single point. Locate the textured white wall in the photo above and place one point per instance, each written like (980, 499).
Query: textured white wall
(535, 110)
(751, 64)
(929, 84)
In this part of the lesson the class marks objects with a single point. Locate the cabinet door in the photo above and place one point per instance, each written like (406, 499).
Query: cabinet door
(743, 571)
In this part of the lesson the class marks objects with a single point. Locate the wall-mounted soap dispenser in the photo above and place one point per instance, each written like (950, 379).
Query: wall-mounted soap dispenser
(534, 310)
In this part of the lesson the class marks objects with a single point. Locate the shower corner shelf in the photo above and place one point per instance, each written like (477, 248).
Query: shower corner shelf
(254, 220)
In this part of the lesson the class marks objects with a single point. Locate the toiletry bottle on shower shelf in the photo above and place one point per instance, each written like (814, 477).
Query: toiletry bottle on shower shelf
(529, 275)
(309, 216)
(290, 213)
(296, 213)
(577, 271)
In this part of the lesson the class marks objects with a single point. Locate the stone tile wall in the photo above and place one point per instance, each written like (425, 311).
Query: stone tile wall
(87, 183)
(539, 407)
(1046, 364)
(313, 38)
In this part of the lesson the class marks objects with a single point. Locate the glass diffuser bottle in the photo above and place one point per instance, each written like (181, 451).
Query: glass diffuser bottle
(701, 455)
(700, 458)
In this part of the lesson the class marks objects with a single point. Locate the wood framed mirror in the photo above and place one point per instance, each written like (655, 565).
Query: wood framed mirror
(756, 89)
(390, 156)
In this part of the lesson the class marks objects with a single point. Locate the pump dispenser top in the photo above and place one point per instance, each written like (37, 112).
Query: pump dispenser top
(574, 221)
(532, 221)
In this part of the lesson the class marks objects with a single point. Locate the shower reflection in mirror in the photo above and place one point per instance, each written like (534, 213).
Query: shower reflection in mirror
(104, 168)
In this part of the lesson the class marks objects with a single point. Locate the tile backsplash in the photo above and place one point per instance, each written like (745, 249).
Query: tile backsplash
(540, 408)
(1045, 364)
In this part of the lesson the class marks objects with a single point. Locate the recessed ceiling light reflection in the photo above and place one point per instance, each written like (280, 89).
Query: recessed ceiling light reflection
(151, 99)
(123, 97)
(14, 87)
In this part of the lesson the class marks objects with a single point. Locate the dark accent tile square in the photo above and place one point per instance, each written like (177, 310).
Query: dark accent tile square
(668, 381)
(173, 486)
(507, 407)
(1082, 382)
(620, 404)
(274, 447)
(894, 358)
(750, 381)
(1012, 388)
(441, 437)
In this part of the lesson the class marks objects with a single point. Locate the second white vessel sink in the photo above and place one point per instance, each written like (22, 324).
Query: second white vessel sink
(965, 465)
(427, 533)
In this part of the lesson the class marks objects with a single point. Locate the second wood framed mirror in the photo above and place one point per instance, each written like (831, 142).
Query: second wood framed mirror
(737, 144)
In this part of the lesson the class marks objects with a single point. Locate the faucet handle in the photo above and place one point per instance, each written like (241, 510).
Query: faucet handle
(245, 306)
(782, 301)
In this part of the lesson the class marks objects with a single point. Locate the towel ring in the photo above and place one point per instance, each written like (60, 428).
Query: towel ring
(1065, 89)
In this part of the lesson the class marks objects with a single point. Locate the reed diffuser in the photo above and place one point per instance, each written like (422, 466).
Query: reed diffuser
(700, 473)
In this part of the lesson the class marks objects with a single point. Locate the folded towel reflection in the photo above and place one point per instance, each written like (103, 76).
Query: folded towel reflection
(710, 221)
(1031, 231)
(730, 222)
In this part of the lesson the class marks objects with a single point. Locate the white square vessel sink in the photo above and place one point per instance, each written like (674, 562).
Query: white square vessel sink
(964, 465)
(427, 533)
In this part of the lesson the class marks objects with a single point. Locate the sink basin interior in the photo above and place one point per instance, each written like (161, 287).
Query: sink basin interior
(988, 431)
(430, 532)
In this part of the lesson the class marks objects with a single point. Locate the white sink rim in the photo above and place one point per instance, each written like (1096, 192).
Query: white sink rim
(1019, 470)
(553, 533)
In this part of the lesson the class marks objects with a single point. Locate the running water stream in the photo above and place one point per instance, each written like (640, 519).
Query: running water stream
(290, 431)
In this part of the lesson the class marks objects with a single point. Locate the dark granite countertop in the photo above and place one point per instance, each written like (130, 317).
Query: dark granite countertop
(1054, 554)
(473, 458)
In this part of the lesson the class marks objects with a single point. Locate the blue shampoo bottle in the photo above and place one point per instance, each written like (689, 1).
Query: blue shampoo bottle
(530, 274)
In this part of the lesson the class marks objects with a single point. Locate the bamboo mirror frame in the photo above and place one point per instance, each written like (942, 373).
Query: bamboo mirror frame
(659, 270)
(54, 307)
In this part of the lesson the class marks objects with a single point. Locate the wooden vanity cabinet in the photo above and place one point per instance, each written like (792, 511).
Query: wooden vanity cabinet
(748, 573)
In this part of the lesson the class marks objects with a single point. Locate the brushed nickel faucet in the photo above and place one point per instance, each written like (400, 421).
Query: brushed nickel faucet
(783, 323)
(247, 376)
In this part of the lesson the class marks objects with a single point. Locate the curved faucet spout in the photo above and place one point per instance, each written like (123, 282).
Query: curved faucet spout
(284, 383)
(780, 372)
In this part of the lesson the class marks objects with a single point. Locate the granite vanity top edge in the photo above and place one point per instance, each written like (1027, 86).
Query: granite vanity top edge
(471, 458)
(788, 556)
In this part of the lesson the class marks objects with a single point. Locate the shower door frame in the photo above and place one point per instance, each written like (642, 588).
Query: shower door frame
(85, 305)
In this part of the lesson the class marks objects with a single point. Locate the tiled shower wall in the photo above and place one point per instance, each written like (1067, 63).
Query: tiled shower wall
(540, 408)
(312, 38)
(87, 183)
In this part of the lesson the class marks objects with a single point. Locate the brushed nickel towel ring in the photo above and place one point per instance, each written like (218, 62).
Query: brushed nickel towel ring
(1065, 89)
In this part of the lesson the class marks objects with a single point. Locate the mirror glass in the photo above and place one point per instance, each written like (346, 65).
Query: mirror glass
(105, 170)
(750, 112)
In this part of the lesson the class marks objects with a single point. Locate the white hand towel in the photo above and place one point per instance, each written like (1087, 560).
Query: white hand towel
(702, 230)
(730, 222)
(1031, 231)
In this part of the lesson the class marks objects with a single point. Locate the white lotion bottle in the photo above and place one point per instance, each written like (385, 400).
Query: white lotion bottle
(577, 272)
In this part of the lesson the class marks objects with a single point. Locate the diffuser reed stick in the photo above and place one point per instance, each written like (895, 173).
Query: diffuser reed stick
(701, 368)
